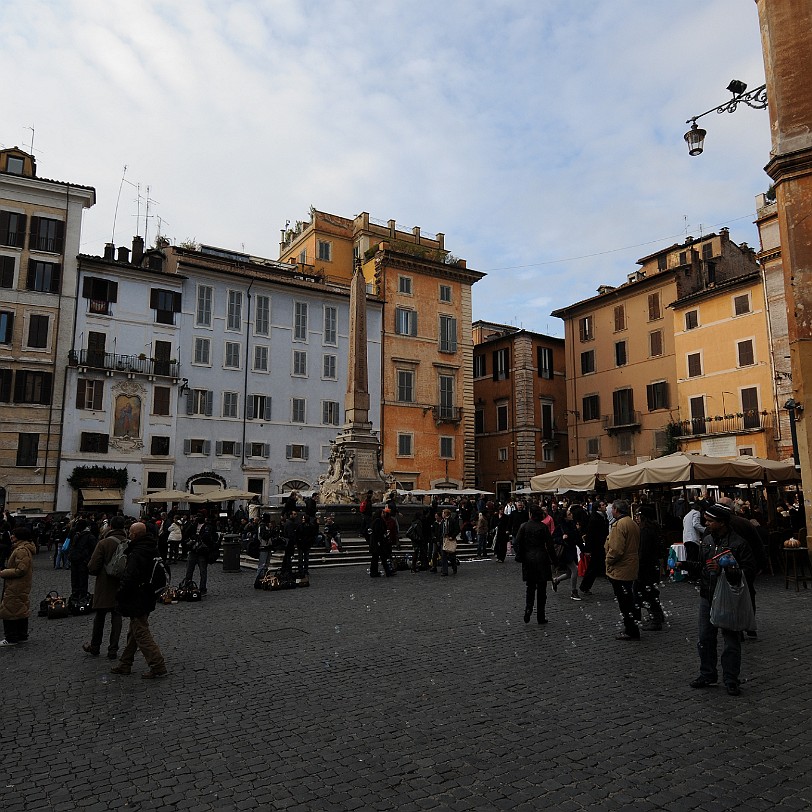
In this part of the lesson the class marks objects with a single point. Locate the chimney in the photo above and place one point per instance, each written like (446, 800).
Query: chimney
(109, 251)
(138, 250)
(123, 254)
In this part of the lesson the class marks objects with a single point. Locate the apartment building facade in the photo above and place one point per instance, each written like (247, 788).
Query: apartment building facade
(40, 224)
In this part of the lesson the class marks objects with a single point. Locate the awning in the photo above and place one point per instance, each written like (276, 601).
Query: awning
(102, 496)
(205, 487)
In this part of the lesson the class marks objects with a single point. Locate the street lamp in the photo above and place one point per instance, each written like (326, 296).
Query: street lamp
(757, 99)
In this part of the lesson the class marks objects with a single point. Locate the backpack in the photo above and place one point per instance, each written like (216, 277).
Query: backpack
(159, 577)
(118, 561)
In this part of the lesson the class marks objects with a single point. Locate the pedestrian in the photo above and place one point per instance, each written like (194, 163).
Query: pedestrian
(450, 531)
(501, 535)
(652, 547)
(105, 590)
(622, 561)
(378, 545)
(306, 534)
(719, 538)
(175, 538)
(594, 535)
(82, 544)
(534, 550)
(571, 542)
(17, 576)
(136, 599)
(365, 509)
(693, 530)
(482, 536)
(201, 542)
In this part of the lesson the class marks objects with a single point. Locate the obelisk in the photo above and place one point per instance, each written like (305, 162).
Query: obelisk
(356, 399)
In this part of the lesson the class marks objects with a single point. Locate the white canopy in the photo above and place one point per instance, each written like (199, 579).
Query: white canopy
(575, 478)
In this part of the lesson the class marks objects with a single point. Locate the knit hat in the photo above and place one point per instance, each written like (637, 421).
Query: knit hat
(722, 513)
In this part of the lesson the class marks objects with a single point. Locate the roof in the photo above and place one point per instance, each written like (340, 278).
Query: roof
(510, 332)
(721, 287)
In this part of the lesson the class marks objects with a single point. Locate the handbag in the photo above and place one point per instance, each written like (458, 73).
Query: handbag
(583, 564)
(731, 607)
(57, 608)
(80, 604)
(449, 545)
(46, 602)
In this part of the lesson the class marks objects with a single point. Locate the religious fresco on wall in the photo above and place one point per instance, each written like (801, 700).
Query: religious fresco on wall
(127, 420)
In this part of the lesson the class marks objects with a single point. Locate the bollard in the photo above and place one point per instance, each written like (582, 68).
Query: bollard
(231, 553)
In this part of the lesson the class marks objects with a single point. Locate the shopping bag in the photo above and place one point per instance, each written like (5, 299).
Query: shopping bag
(583, 564)
(731, 607)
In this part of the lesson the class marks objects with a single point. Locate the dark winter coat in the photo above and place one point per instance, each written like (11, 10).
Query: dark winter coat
(17, 578)
(710, 547)
(571, 543)
(106, 587)
(535, 551)
(81, 548)
(136, 597)
(652, 547)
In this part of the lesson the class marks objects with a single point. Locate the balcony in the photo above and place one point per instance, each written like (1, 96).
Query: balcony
(123, 363)
(621, 421)
(740, 423)
(446, 414)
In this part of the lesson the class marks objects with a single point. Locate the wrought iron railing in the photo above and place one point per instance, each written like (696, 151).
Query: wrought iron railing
(124, 363)
(726, 424)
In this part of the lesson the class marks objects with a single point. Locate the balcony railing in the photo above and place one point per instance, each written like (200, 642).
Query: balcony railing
(123, 363)
(447, 414)
(726, 424)
(621, 420)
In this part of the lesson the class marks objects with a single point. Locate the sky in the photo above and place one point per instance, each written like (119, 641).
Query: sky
(544, 138)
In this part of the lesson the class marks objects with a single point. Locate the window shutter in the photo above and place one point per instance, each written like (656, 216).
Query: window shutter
(237, 449)
(32, 240)
(209, 403)
(650, 396)
(87, 287)
(19, 385)
(5, 385)
(288, 451)
(80, 393)
(4, 221)
(32, 274)
(104, 443)
(266, 449)
(507, 363)
(98, 392)
(176, 302)
(45, 397)
(746, 356)
(153, 298)
(59, 240)
(495, 365)
(112, 291)
(56, 278)
(187, 446)
(190, 402)
(9, 326)
(249, 408)
(207, 446)
(305, 452)
(218, 448)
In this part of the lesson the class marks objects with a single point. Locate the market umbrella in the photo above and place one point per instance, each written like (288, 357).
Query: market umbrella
(775, 470)
(682, 467)
(575, 478)
(167, 496)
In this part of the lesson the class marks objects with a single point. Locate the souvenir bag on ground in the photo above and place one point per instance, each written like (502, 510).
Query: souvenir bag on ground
(188, 591)
(46, 602)
(80, 604)
(279, 579)
(731, 607)
(57, 607)
(118, 562)
(169, 595)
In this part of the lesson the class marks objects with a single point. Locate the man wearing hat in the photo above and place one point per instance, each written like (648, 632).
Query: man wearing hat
(720, 537)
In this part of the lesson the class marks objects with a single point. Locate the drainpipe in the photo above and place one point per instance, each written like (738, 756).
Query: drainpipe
(245, 375)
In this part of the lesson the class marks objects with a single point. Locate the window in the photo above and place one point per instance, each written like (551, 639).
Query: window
(741, 304)
(623, 407)
(330, 412)
(227, 448)
(262, 320)
(405, 445)
(501, 454)
(446, 397)
(691, 319)
(586, 328)
(15, 165)
(694, 364)
(445, 293)
(620, 318)
(89, 394)
(330, 325)
(587, 362)
(324, 250)
(405, 322)
(405, 386)
(165, 303)
(662, 262)
(591, 407)
(234, 310)
(260, 358)
(655, 343)
(160, 400)
(46, 235)
(544, 357)
(745, 352)
(159, 446)
(697, 407)
(297, 410)
(6, 326)
(202, 351)
(480, 369)
(479, 421)
(547, 421)
(6, 272)
(156, 480)
(296, 452)
(205, 295)
(259, 407)
(199, 402)
(230, 404)
(620, 353)
(32, 387)
(43, 276)
(749, 398)
(593, 447)
(501, 364)
(548, 453)
(302, 257)
(27, 450)
(405, 285)
(446, 448)
(96, 354)
(448, 334)
(707, 250)
(746, 451)
(12, 229)
(502, 417)
(94, 443)
(624, 443)
(657, 395)
(300, 321)
(328, 367)
(100, 293)
(196, 446)
(232, 355)
(262, 450)
(683, 258)
(655, 310)
(299, 363)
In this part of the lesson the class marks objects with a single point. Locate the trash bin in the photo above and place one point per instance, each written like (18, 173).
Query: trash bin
(231, 553)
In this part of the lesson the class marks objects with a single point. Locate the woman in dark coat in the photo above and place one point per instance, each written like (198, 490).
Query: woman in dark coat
(572, 542)
(82, 545)
(17, 577)
(500, 542)
(536, 554)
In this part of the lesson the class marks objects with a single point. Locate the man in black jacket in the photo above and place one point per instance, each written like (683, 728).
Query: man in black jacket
(136, 599)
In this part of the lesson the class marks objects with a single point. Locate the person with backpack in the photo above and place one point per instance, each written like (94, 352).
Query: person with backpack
(136, 598)
(107, 563)
(201, 543)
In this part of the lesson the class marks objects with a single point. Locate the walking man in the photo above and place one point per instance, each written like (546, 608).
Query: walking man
(105, 589)
(622, 560)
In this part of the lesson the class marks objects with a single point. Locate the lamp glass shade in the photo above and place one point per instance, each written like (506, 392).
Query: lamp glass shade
(695, 138)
